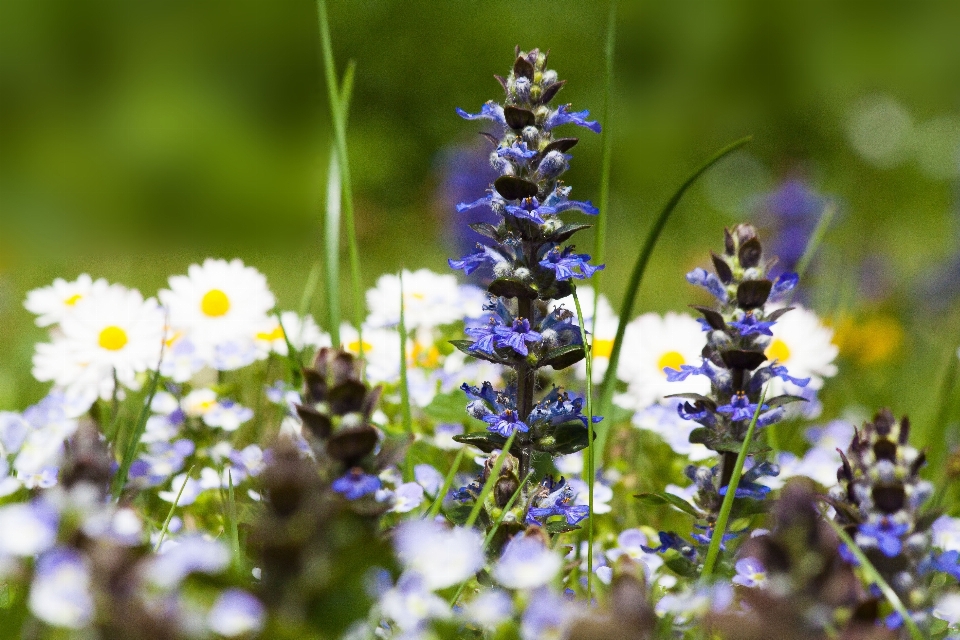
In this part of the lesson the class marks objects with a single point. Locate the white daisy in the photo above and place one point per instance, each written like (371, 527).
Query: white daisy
(111, 335)
(650, 344)
(52, 303)
(429, 300)
(381, 351)
(803, 345)
(301, 332)
(218, 302)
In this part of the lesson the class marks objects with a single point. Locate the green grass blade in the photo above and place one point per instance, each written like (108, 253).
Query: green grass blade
(332, 216)
(874, 576)
(331, 248)
(816, 238)
(720, 527)
(606, 146)
(130, 452)
(293, 356)
(938, 440)
(338, 113)
(232, 528)
(636, 278)
(493, 530)
(405, 414)
(591, 471)
(173, 507)
(447, 483)
(310, 289)
(491, 480)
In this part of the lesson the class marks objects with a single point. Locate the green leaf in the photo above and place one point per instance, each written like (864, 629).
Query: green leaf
(662, 497)
(448, 407)
(681, 566)
(458, 513)
(565, 439)
(563, 233)
(464, 346)
(785, 399)
(486, 442)
(728, 443)
(746, 507)
(511, 288)
(636, 278)
(559, 526)
(563, 357)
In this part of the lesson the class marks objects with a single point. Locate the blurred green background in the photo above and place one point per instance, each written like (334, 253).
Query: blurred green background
(139, 137)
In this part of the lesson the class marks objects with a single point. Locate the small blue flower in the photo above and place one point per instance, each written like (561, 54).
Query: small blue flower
(558, 503)
(553, 164)
(563, 116)
(517, 336)
(565, 262)
(887, 534)
(750, 573)
(708, 531)
(748, 487)
(489, 111)
(774, 371)
(709, 281)
(485, 335)
(740, 407)
(784, 284)
(530, 209)
(700, 414)
(479, 202)
(473, 261)
(517, 152)
(670, 540)
(749, 325)
(559, 407)
(356, 484)
(685, 372)
(559, 201)
(505, 423)
(948, 562)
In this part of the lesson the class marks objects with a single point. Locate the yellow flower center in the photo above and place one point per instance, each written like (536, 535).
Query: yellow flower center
(426, 357)
(778, 350)
(72, 300)
(276, 334)
(671, 359)
(602, 348)
(355, 347)
(215, 303)
(113, 338)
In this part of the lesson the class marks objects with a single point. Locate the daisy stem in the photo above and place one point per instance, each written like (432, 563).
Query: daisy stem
(447, 483)
(606, 145)
(173, 507)
(338, 113)
(405, 414)
(526, 379)
(720, 527)
(231, 518)
(874, 576)
(491, 480)
(636, 278)
(591, 472)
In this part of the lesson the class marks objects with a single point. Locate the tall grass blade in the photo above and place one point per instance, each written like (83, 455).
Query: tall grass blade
(130, 452)
(874, 576)
(173, 507)
(720, 527)
(310, 289)
(405, 414)
(447, 483)
(636, 278)
(606, 146)
(588, 452)
(338, 113)
(232, 528)
(938, 440)
(816, 238)
(491, 480)
(493, 530)
(332, 216)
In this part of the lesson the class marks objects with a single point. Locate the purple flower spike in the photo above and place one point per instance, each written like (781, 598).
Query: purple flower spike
(740, 408)
(887, 534)
(530, 209)
(749, 325)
